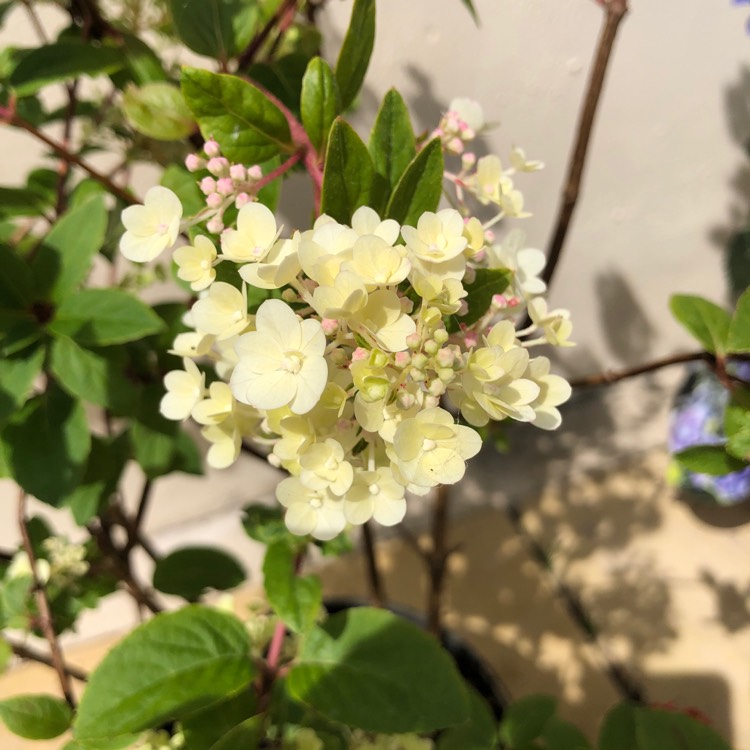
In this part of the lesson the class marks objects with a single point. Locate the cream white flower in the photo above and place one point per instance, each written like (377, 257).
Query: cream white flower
(192, 344)
(489, 183)
(344, 298)
(217, 407)
(521, 164)
(282, 362)
(469, 112)
(366, 221)
(184, 391)
(525, 262)
(377, 262)
(430, 449)
(383, 318)
(324, 249)
(255, 234)
(20, 567)
(438, 236)
(277, 269)
(553, 391)
(226, 436)
(222, 312)
(152, 227)
(555, 323)
(323, 467)
(195, 263)
(316, 512)
(375, 494)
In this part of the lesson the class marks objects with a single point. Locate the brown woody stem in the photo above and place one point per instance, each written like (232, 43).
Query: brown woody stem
(25, 652)
(605, 378)
(374, 579)
(438, 559)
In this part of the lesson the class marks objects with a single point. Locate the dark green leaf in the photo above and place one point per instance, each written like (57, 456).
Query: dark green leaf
(184, 185)
(348, 174)
(36, 717)
(370, 669)
(282, 78)
(525, 719)
(47, 445)
(246, 735)
(20, 202)
(249, 128)
(320, 102)
(295, 599)
(479, 732)
(215, 28)
(6, 651)
(189, 571)
(106, 464)
(392, 144)
(143, 64)
(562, 735)
(265, 524)
(103, 317)
(707, 322)
(63, 260)
(354, 57)
(469, 5)
(487, 283)
(168, 667)
(203, 729)
(17, 374)
(157, 110)
(16, 280)
(737, 427)
(739, 329)
(420, 186)
(709, 459)
(63, 61)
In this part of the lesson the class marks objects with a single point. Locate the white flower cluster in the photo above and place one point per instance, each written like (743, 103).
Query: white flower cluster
(367, 335)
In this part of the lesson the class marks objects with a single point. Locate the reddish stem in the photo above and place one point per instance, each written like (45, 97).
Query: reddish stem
(271, 176)
(277, 642)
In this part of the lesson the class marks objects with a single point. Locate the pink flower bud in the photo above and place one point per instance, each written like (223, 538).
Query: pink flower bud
(445, 358)
(193, 162)
(242, 199)
(430, 402)
(217, 166)
(470, 275)
(329, 326)
(225, 186)
(402, 359)
(436, 388)
(489, 236)
(211, 147)
(214, 200)
(499, 302)
(454, 145)
(254, 172)
(413, 341)
(468, 160)
(207, 185)
(359, 353)
(463, 308)
(238, 172)
(215, 225)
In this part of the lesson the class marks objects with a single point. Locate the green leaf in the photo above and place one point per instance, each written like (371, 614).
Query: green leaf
(348, 173)
(739, 329)
(157, 110)
(248, 126)
(20, 202)
(189, 571)
(17, 375)
(172, 665)
(392, 144)
(420, 186)
(525, 719)
(102, 477)
(469, 5)
(487, 283)
(370, 669)
(184, 185)
(63, 259)
(630, 727)
(709, 459)
(63, 61)
(562, 735)
(16, 280)
(295, 599)
(215, 28)
(93, 376)
(143, 64)
(47, 445)
(707, 322)
(479, 732)
(354, 57)
(246, 735)
(6, 651)
(265, 524)
(203, 729)
(36, 717)
(103, 317)
(282, 78)
(320, 102)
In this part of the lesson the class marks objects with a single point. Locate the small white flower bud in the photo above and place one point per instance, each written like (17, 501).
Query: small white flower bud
(431, 347)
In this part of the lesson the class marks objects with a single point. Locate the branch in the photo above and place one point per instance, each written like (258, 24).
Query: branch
(374, 579)
(25, 652)
(12, 118)
(605, 378)
(271, 176)
(437, 559)
(615, 11)
(46, 622)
